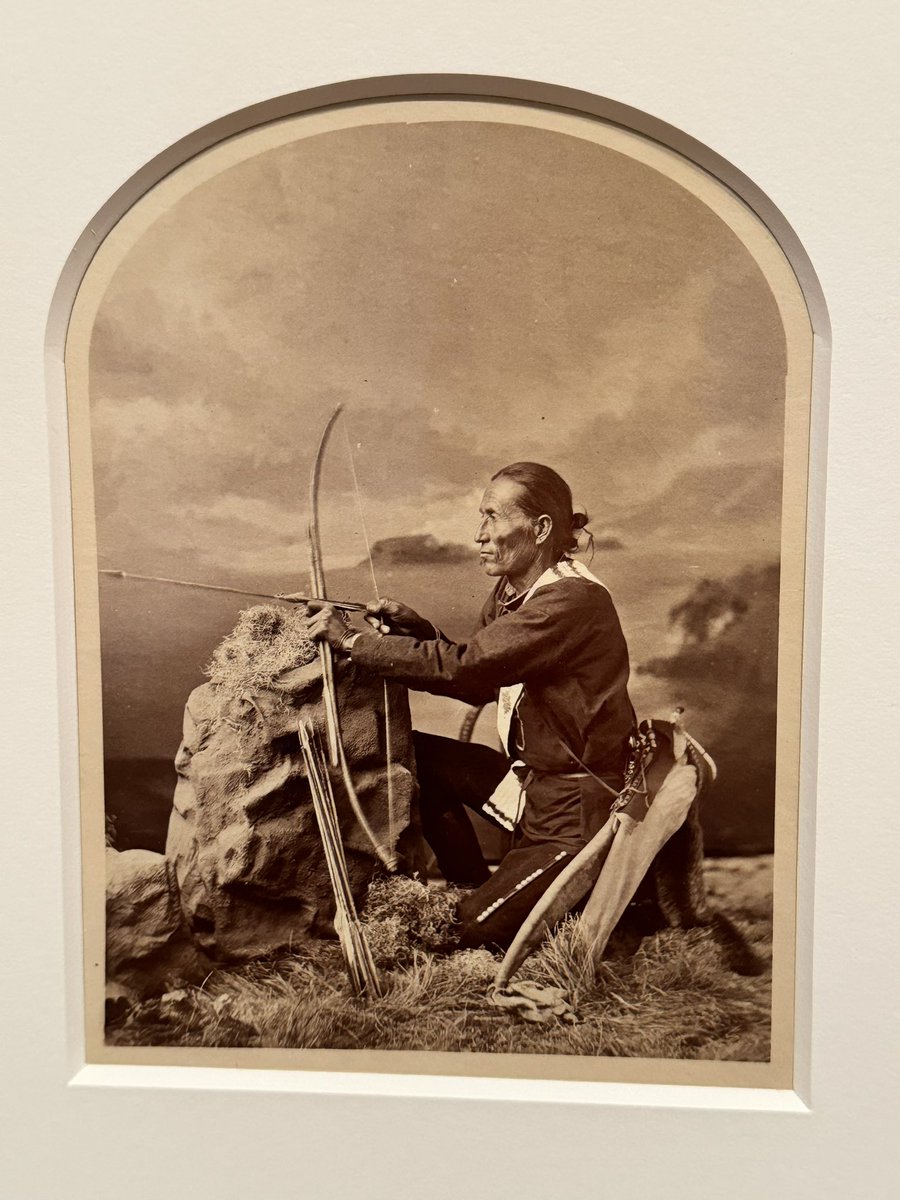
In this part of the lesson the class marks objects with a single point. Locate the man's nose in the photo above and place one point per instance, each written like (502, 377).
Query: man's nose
(481, 533)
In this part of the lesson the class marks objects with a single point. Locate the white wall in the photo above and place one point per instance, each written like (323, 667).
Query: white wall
(802, 98)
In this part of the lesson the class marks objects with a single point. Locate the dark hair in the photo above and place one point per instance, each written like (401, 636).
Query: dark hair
(544, 491)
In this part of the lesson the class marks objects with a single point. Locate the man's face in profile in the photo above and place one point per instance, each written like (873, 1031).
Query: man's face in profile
(505, 536)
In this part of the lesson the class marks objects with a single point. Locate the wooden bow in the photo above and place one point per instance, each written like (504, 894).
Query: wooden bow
(336, 753)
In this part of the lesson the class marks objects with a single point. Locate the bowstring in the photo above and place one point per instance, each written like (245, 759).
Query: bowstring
(387, 718)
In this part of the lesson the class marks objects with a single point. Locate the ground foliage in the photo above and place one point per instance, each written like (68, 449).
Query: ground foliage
(672, 998)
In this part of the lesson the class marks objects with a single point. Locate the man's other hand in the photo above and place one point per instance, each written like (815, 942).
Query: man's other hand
(325, 625)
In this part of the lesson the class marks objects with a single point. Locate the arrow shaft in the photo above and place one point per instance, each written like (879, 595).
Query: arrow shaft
(285, 597)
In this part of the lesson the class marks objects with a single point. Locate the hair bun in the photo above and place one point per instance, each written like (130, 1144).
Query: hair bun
(579, 519)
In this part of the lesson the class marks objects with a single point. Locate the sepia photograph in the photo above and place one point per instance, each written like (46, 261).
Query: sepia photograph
(439, 507)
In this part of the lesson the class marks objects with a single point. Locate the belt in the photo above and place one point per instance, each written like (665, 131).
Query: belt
(529, 773)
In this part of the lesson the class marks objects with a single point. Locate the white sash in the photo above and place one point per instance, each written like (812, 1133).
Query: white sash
(507, 802)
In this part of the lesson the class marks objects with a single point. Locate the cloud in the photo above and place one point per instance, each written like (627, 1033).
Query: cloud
(419, 548)
(473, 295)
(608, 541)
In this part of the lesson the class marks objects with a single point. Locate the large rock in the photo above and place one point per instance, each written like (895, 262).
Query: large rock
(148, 946)
(243, 838)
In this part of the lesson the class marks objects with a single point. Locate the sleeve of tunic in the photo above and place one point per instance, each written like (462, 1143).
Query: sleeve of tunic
(535, 641)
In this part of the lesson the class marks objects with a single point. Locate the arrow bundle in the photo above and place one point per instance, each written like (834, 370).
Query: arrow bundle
(357, 955)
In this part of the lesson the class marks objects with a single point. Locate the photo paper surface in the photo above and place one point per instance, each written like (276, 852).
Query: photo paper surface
(444, 288)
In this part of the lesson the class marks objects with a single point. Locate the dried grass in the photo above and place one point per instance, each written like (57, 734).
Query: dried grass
(674, 998)
(403, 916)
(267, 641)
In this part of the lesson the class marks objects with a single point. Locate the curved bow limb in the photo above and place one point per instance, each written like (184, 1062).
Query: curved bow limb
(336, 752)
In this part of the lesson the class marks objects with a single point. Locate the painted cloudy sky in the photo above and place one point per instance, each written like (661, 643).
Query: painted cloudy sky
(474, 294)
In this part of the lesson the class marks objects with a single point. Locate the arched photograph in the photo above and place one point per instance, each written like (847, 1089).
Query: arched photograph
(439, 503)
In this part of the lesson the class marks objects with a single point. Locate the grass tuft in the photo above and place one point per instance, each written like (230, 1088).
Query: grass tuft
(267, 641)
(404, 916)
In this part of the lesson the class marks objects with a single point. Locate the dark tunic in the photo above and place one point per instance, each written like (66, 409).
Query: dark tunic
(566, 646)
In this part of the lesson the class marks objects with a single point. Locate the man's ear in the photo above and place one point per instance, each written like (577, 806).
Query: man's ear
(543, 527)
